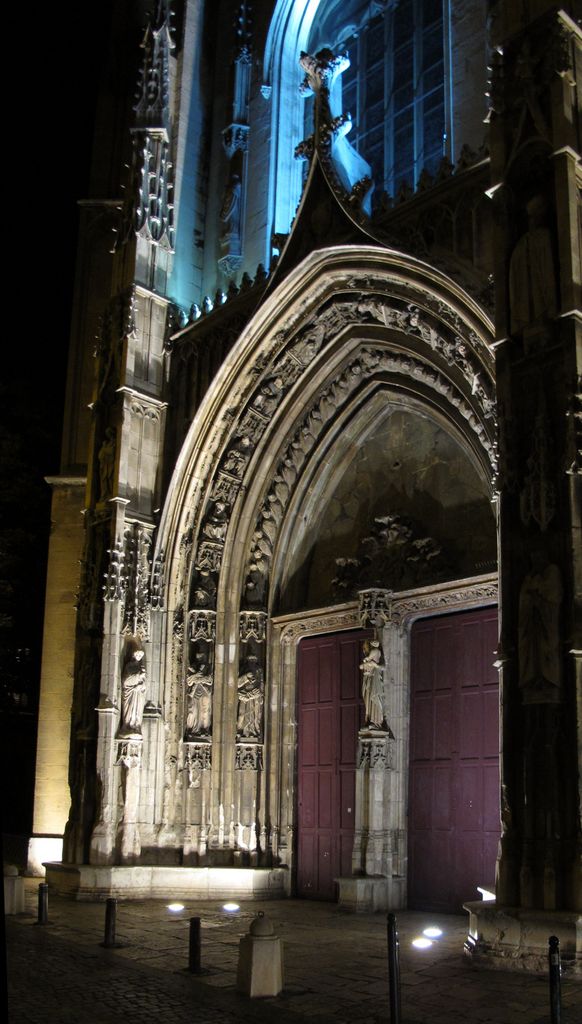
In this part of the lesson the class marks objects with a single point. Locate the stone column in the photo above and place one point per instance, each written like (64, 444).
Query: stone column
(379, 810)
(534, 140)
(103, 837)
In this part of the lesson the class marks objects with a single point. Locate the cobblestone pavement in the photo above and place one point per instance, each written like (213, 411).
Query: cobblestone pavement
(334, 966)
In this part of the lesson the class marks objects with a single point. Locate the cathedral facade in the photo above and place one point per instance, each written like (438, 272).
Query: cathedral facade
(321, 468)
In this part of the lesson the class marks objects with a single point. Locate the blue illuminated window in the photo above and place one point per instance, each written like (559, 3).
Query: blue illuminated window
(395, 86)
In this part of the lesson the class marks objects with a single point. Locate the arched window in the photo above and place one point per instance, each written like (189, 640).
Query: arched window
(397, 87)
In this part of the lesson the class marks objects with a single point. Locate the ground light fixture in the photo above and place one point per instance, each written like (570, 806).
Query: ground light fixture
(422, 942)
(175, 908)
(432, 932)
(231, 908)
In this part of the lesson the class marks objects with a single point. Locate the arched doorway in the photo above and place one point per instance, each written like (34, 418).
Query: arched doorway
(351, 421)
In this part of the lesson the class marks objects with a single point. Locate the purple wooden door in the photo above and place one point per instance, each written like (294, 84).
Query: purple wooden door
(329, 716)
(454, 760)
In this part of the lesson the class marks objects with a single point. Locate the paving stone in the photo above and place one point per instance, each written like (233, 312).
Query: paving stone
(335, 970)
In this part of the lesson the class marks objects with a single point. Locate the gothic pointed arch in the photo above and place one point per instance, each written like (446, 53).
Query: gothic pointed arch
(351, 335)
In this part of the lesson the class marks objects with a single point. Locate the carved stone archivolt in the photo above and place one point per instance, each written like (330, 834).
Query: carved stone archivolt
(474, 401)
(370, 361)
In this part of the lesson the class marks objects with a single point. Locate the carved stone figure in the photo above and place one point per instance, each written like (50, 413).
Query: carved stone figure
(373, 684)
(250, 701)
(230, 213)
(540, 599)
(216, 525)
(199, 698)
(532, 276)
(106, 460)
(133, 687)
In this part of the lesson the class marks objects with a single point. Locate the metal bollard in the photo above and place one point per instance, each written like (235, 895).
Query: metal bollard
(43, 903)
(194, 957)
(555, 987)
(110, 919)
(393, 970)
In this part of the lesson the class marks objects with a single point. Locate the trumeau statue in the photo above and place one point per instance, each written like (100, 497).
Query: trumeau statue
(373, 684)
(199, 700)
(133, 687)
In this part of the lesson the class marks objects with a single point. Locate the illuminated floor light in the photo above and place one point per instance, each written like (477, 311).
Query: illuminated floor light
(432, 932)
(175, 907)
(422, 943)
(231, 908)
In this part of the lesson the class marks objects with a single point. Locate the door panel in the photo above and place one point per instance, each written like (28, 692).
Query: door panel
(329, 715)
(454, 768)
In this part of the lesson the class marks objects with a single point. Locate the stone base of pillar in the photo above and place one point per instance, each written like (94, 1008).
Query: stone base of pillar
(94, 882)
(515, 938)
(367, 894)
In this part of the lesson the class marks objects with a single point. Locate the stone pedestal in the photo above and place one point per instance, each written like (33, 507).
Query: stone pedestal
(369, 895)
(260, 961)
(13, 892)
(518, 938)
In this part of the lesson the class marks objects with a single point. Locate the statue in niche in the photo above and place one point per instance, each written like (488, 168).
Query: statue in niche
(230, 213)
(532, 274)
(199, 698)
(373, 683)
(216, 525)
(133, 687)
(203, 589)
(540, 600)
(106, 460)
(250, 701)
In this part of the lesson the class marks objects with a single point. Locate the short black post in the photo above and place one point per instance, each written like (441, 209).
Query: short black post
(110, 919)
(43, 903)
(393, 970)
(194, 958)
(555, 987)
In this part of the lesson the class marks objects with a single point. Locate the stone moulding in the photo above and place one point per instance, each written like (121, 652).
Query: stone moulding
(402, 609)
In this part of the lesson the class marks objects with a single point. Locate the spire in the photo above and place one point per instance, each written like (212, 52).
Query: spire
(149, 210)
(152, 107)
